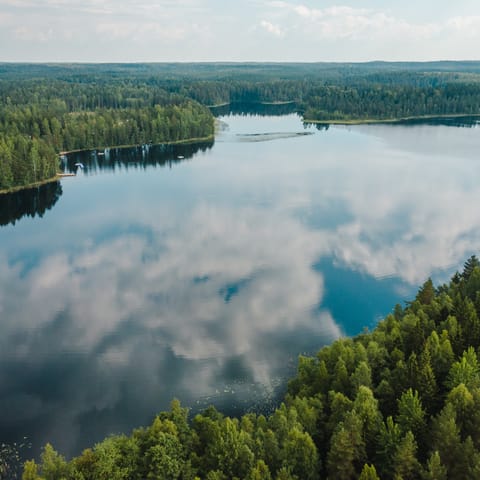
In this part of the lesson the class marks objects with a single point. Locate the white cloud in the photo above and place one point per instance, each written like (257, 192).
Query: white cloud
(210, 30)
(34, 35)
(271, 28)
(5, 18)
(341, 21)
(469, 27)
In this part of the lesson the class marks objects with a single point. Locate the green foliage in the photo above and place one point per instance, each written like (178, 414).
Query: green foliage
(403, 401)
(405, 461)
(411, 415)
(465, 371)
(377, 101)
(389, 440)
(369, 473)
(53, 465)
(435, 469)
(300, 455)
(426, 293)
(362, 376)
(43, 119)
(259, 472)
(470, 266)
(114, 459)
(347, 449)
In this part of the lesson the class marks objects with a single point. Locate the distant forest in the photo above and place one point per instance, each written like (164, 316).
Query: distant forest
(401, 402)
(49, 108)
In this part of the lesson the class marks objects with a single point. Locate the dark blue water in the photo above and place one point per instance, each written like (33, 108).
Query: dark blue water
(201, 272)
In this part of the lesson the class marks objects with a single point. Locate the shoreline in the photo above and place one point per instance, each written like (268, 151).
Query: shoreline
(218, 105)
(282, 102)
(18, 188)
(176, 142)
(366, 121)
(59, 175)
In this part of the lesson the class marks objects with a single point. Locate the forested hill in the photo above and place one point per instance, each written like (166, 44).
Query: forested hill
(48, 108)
(401, 402)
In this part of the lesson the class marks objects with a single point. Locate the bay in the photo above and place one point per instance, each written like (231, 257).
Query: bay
(202, 271)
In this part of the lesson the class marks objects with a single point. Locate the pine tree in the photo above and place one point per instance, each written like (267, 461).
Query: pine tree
(426, 293)
(369, 473)
(446, 437)
(347, 449)
(388, 441)
(411, 415)
(426, 382)
(259, 472)
(405, 460)
(341, 381)
(435, 469)
(469, 266)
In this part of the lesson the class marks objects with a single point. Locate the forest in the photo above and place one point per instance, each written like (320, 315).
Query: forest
(46, 109)
(400, 402)
(41, 119)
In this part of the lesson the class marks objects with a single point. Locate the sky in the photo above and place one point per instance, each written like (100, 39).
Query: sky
(240, 30)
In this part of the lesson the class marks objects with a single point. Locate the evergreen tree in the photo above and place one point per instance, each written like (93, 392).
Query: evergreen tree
(369, 473)
(259, 472)
(362, 376)
(435, 469)
(469, 266)
(411, 415)
(405, 460)
(446, 438)
(347, 449)
(426, 294)
(390, 437)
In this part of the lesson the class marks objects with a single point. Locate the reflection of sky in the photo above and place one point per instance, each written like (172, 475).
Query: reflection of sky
(141, 285)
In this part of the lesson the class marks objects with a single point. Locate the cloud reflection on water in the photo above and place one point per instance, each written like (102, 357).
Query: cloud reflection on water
(217, 273)
(125, 323)
(413, 209)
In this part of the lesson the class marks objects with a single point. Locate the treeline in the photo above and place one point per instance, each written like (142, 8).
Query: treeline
(379, 102)
(40, 119)
(376, 97)
(25, 160)
(88, 94)
(401, 402)
(126, 126)
(50, 108)
(232, 70)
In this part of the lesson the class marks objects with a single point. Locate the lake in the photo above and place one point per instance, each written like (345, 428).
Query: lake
(202, 271)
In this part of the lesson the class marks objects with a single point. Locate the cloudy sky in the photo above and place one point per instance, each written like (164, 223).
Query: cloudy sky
(245, 30)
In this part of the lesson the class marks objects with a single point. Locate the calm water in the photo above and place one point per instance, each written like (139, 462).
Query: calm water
(201, 272)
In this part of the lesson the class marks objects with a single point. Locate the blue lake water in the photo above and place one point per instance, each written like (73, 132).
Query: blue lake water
(201, 272)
